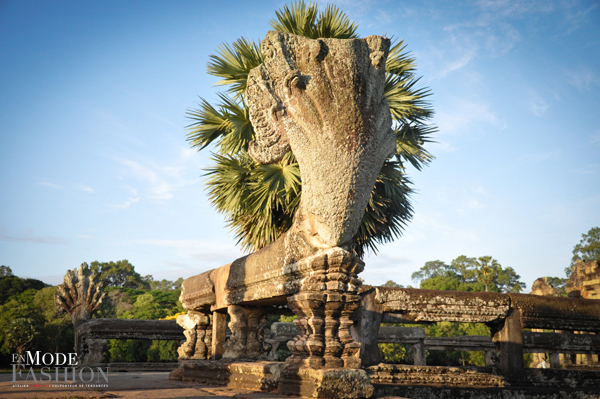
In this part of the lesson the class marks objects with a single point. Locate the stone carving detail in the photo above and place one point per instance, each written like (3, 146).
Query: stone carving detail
(324, 100)
(197, 328)
(584, 280)
(93, 351)
(248, 327)
(324, 305)
(431, 306)
(80, 295)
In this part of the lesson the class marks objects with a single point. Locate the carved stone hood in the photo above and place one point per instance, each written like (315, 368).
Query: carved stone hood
(324, 100)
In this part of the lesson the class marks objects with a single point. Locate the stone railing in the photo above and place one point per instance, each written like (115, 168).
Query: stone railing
(506, 315)
(94, 333)
(533, 342)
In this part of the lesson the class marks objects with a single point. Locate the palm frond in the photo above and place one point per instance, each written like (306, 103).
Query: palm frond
(410, 143)
(233, 63)
(334, 23)
(258, 201)
(306, 20)
(229, 125)
(388, 211)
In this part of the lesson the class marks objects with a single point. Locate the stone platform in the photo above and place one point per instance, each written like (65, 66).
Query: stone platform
(155, 385)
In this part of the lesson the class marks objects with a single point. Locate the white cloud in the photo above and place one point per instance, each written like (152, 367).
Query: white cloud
(583, 79)
(160, 181)
(127, 203)
(595, 137)
(51, 185)
(86, 188)
(207, 252)
(539, 107)
(29, 236)
(462, 115)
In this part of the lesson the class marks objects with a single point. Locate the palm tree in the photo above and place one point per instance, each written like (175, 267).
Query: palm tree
(259, 201)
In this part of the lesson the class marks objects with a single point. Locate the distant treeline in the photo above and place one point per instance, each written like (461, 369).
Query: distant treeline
(28, 317)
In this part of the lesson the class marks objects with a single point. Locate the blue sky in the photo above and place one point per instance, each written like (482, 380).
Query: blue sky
(95, 165)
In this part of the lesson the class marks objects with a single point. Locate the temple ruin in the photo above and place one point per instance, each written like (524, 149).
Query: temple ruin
(324, 100)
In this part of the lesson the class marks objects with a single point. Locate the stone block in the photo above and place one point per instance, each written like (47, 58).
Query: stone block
(325, 383)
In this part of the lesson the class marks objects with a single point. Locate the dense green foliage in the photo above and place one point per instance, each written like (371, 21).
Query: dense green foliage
(28, 321)
(11, 285)
(28, 318)
(462, 274)
(469, 274)
(259, 201)
(587, 249)
(120, 274)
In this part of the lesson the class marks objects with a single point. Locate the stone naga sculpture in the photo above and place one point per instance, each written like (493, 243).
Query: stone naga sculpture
(324, 100)
(80, 295)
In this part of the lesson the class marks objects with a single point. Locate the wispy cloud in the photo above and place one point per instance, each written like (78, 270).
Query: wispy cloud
(537, 157)
(591, 169)
(462, 115)
(595, 137)
(29, 236)
(583, 79)
(160, 182)
(539, 107)
(213, 252)
(126, 204)
(51, 185)
(86, 188)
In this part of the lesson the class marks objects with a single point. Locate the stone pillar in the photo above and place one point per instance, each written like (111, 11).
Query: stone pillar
(247, 340)
(197, 328)
(419, 353)
(555, 360)
(509, 345)
(95, 348)
(218, 335)
(367, 329)
(324, 306)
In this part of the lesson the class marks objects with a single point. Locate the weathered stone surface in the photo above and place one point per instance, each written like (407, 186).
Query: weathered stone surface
(93, 334)
(397, 391)
(263, 376)
(584, 281)
(80, 294)
(248, 327)
(431, 306)
(131, 329)
(325, 383)
(554, 313)
(197, 329)
(542, 287)
(432, 375)
(324, 99)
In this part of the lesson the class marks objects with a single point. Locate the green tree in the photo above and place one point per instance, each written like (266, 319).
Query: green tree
(12, 285)
(163, 285)
(469, 274)
(5, 271)
(587, 249)
(464, 274)
(20, 335)
(119, 274)
(259, 201)
(392, 284)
